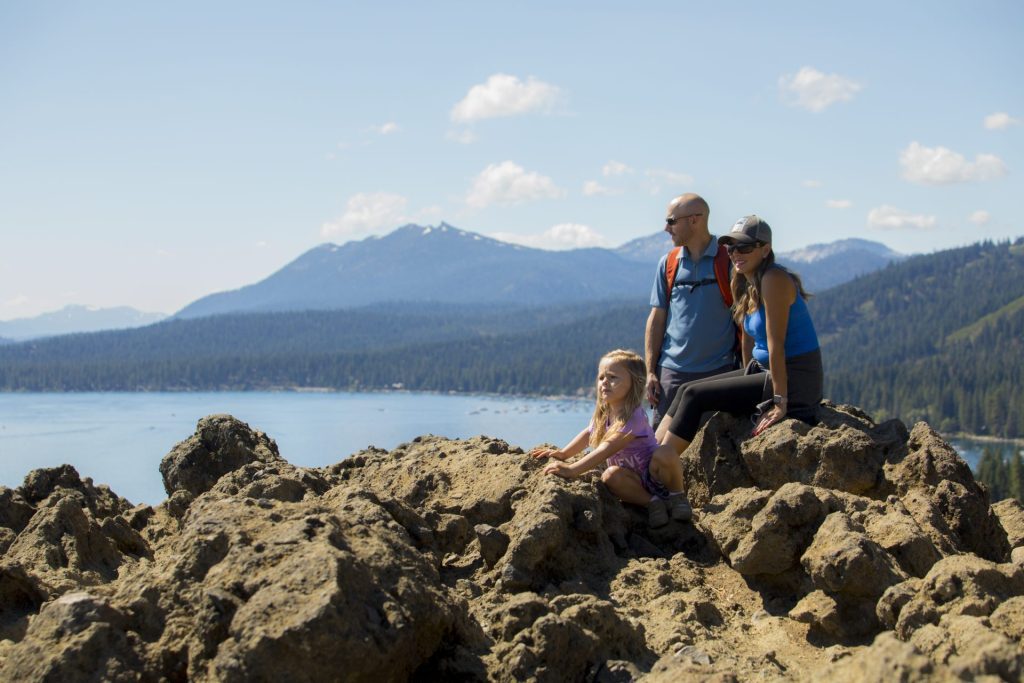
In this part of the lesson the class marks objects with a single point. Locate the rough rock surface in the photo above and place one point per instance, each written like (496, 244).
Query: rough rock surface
(850, 550)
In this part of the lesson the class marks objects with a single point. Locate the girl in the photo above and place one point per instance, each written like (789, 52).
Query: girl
(783, 374)
(620, 434)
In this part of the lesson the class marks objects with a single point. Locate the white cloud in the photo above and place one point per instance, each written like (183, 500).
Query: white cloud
(816, 91)
(888, 217)
(838, 203)
(592, 188)
(614, 168)
(510, 183)
(940, 166)
(561, 236)
(386, 128)
(463, 137)
(262, 244)
(505, 95)
(1000, 121)
(19, 300)
(661, 178)
(980, 217)
(812, 183)
(366, 212)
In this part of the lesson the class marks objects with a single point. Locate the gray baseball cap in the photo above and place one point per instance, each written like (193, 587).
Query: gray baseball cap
(748, 230)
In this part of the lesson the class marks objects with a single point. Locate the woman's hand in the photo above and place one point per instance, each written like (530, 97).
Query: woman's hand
(561, 469)
(771, 417)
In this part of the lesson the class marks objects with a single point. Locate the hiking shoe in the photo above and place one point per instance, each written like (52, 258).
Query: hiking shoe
(679, 508)
(657, 513)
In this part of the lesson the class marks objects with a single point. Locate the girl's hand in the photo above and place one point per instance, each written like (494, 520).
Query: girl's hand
(771, 417)
(561, 469)
(547, 453)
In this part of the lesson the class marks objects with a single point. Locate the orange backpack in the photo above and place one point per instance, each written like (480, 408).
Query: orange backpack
(722, 264)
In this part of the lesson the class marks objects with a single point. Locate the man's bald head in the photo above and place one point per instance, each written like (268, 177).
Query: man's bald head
(689, 203)
(687, 222)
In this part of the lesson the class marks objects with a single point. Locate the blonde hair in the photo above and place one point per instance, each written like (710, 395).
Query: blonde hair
(746, 294)
(604, 421)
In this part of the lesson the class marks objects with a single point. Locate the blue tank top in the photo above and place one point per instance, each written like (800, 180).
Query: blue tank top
(800, 334)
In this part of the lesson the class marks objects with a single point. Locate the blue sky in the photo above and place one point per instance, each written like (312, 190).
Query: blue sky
(154, 153)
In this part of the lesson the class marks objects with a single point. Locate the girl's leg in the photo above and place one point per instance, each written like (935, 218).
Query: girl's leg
(666, 468)
(626, 486)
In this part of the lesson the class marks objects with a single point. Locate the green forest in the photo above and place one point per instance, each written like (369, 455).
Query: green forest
(936, 337)
(1003, 476)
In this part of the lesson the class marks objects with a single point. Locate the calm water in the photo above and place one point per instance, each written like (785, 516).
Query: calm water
(119, 439)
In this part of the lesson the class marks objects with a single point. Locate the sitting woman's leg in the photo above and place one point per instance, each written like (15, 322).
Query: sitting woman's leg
(731, 392)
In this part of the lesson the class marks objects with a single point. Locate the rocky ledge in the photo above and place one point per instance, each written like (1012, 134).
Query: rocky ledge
(852, 550)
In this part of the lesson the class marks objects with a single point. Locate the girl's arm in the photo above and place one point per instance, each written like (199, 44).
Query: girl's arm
(778, 293)
(574, 447)
(606, 449)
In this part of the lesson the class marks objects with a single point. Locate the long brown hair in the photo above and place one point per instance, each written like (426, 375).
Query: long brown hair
(604, 421)
(747, 293)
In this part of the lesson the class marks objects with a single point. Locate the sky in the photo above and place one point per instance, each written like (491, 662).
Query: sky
(153, 153)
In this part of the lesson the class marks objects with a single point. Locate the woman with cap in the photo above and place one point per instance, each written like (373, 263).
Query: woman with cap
(783, 374)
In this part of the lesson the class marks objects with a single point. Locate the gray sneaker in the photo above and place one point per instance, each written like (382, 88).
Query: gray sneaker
(679, 508)
(657, 513)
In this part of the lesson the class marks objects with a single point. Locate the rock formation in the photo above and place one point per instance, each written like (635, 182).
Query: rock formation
(852, 550)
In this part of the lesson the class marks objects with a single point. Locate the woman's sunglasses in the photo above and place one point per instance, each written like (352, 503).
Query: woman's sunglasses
(742, 248)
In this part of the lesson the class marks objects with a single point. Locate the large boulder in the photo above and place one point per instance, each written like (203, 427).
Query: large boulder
(221, 444)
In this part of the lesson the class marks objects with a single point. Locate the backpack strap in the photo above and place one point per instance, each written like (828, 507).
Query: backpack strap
(671, 266)
(722, 264)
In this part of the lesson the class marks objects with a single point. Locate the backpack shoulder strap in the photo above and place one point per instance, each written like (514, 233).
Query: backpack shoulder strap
(671, 266)
(722, 264)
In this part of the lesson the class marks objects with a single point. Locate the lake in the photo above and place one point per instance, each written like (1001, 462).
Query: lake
(119, 438)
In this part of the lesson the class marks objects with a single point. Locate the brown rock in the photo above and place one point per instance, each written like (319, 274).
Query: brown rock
(842, 559)
(221, 444)
(1011, 517)
(960, 584)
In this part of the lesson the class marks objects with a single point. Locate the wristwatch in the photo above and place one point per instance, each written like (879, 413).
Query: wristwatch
(779, 400)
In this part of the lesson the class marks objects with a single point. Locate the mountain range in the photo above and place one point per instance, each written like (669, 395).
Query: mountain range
(444, 264)
(72, 319)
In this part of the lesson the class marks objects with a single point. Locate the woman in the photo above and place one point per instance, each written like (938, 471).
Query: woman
(783, 374)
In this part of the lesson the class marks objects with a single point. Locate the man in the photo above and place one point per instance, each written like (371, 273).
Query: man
(690, 333)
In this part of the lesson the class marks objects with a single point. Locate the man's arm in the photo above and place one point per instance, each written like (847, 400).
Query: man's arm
(654, 335)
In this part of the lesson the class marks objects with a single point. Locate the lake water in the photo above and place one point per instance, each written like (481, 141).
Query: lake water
(119, 438)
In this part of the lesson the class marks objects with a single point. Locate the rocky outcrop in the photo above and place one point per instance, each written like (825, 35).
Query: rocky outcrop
(850, 549)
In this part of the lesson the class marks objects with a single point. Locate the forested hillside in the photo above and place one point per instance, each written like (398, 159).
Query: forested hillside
(936, 338)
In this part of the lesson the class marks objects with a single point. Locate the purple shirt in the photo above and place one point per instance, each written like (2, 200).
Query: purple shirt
(636, 455)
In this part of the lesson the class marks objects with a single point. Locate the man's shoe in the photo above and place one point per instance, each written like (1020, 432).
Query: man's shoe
(657, 513)
(679, 508)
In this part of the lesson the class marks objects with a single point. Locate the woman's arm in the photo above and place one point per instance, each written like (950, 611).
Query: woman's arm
(747, 348)
(575, 446)
(606, 449)
(778, 292)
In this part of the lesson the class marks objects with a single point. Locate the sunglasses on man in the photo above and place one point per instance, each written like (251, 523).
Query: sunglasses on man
(672, 221)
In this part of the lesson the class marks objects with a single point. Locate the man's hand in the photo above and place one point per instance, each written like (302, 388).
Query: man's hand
(653, 389)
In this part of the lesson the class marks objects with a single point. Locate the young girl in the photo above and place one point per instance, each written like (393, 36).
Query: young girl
(620, 434)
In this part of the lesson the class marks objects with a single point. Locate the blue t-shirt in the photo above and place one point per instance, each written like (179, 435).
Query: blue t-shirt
(699, 334)
(800, 334)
